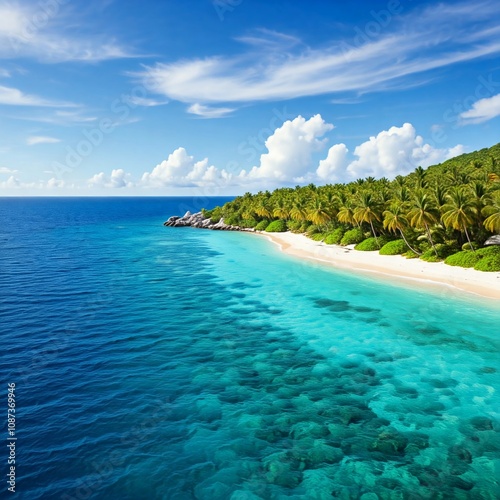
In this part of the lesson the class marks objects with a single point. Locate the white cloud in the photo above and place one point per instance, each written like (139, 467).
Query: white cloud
(39, 31)
(5, 170)
(11, 183)
(118, 179)
(332, 168)
(208, 111)
(40, 139)
(182, 170)
(482, 110)
(290, 149)
(4, 73)
(144, 101)
(410, 45)
(15, 97)
(54, 183)
(396, 151)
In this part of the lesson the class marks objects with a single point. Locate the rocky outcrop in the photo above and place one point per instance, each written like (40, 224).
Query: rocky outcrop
(200, 221)
(494, 240)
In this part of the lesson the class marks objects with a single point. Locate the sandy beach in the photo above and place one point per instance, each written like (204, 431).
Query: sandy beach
(416, 271)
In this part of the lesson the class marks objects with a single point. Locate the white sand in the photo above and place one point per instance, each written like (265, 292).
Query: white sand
(398, 267)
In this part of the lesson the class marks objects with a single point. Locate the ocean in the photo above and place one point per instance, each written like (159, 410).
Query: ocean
(172, 363)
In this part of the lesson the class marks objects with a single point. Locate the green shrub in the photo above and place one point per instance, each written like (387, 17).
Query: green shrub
(305, 226)
(248, 223)
(335, 237)
(277, 226)
(232, 220)
(466, 258)
(410, 254)
(371, 244)
(467, 246)
(490, 264)
(294, 226)
(396, 247)
(261, 226)
(352, 237)
(317, 236)
(442, 250)
(488, 251)
(312, 229)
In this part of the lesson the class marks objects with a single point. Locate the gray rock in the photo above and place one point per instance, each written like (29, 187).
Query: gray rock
(494, 240)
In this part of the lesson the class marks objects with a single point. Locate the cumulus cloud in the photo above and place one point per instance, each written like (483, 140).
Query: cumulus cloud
(41, 139)
(332, 168)
(292, 158)
(482, 110)
(396, 151)
(54, 183)
(182, 170)
(118, 179)
(290, 149)
(5, 170)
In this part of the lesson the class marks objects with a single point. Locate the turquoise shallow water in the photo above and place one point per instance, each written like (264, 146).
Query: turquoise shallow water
(168, 363)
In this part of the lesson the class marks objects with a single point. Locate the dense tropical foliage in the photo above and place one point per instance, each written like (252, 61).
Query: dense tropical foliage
(446, 210)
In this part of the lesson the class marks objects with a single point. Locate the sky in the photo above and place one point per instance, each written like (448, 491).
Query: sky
(223, 97)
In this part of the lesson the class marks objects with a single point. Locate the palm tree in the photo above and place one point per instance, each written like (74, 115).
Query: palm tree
(263, 207)
(345, 213)
(423, 214)
(395, 220)
(298, 211)
(492, 214)
(368, 210)
(420, 181)
(318, 213)
(459, 211)
(281, 209)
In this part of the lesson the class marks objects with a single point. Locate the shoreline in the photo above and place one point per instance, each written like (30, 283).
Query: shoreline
(425, 274)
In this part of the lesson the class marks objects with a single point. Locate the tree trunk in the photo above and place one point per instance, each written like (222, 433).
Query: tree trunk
(373, 231)
(468, 238)
(407, 244)
(430, 238)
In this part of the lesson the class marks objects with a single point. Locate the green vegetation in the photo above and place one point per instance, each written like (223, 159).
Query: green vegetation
(335, 237)
(262, 225)
(433, 212)
(371, 244)
(463, 259)
(353, 237)
(277, 226)
(396, 247)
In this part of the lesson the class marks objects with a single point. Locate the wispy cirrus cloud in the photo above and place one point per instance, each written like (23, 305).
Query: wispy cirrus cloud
(40, 31)
(41, 139)
(482, 110)
(208, 111)
(14, 97)
(439, 36)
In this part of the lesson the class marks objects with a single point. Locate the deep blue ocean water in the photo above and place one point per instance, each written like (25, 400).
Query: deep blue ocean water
(164, 363)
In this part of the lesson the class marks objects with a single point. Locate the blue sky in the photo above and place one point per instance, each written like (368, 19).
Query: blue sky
(227, 96)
